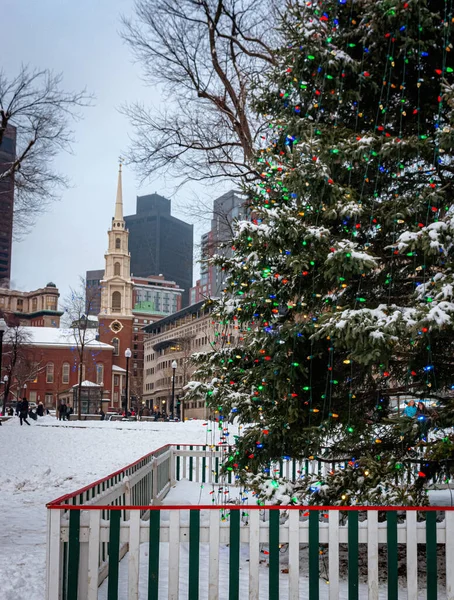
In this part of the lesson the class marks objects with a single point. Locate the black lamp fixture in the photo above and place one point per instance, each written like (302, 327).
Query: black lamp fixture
(127, 356)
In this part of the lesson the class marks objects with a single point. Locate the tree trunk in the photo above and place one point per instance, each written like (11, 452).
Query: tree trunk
(79, 407)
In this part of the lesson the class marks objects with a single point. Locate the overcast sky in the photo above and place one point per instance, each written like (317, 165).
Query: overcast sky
(81, 40)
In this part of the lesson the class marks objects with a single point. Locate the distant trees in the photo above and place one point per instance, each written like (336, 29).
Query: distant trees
(40, 110)
(21, 362)
(77, 305)
(206, 56)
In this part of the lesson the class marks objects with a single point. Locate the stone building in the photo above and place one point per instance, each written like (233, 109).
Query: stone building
(176, 338)
(38, 308)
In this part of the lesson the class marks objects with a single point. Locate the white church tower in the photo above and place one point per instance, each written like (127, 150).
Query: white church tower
(116, 292)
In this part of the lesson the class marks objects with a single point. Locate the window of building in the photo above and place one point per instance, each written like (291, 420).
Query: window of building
(65, 372)
(49, 399)
(118, 243)
(32, 396)
(116, 380)
(99, 373)
(117, 268)
(116, 302)
(50, 373)
(116, 345)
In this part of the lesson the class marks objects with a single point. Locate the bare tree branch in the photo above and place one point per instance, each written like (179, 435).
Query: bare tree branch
(205, 55)
(34, 103)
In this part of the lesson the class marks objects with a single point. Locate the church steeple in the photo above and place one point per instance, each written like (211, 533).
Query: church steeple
(119, 201)
(116, 286)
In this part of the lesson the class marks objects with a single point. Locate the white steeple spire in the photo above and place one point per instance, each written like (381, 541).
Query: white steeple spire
(119, 201)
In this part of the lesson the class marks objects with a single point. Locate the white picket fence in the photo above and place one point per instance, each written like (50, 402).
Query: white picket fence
(90, 531)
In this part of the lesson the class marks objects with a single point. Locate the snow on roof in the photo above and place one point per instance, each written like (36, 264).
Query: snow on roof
(52, 336)
(86, 383)
(118, 369)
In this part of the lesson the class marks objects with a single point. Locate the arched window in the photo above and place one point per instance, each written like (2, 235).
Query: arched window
(99, 373)
(118, 243)
(117, 268)
(116, 302)
(50, 372)
(116, 345)
(65, 372)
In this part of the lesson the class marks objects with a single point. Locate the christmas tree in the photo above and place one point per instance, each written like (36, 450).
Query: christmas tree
(341, 283)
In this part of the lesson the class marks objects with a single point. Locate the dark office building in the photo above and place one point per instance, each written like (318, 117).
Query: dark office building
(160, 244)
(93, 291)
(7, 157)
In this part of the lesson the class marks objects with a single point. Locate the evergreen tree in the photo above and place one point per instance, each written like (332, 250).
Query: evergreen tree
(341, 283)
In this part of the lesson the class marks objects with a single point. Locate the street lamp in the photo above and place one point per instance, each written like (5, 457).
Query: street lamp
(5, 381)
(3, 328)
(25, 390)
(127, 356)
(174, 368)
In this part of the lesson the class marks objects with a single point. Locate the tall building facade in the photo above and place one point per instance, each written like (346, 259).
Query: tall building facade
(160, 243)
(7, 157)
(226, 209)
(93, 291)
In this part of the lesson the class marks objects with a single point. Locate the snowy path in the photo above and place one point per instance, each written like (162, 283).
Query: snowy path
(40, 463)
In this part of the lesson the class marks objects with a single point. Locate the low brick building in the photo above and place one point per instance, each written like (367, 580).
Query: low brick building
(49, 365)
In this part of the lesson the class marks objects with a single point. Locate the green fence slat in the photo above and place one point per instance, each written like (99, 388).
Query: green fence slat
(178, 466)
(194, 558)
(293, 469)
(216, 470)
(153, 554)
(190, 465)
(73, 554)
(353, 588)
(431, 556)
(64, 575)
(281, 468)
(273, 574)
(314, 582)
(234, 556)
(204, 466)
(391, 525)
(114, 555)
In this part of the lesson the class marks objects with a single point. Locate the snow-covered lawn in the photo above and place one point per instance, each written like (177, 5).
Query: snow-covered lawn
(51, 458)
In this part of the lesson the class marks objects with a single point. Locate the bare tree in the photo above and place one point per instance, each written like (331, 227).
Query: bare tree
(21, 364)
(34, 103)
(206, 54)
(77, 306)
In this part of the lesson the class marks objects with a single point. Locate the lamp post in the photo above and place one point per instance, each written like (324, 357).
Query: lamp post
(5, 382)
(25, 390)
(3, 328)
(127, 356)
(174, 368)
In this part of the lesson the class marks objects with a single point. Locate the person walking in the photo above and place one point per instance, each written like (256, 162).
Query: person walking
(62, 411)
(40, 410)
(23, 414)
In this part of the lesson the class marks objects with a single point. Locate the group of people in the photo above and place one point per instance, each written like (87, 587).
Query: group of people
(23, 411)
(64, 412)
(416, 410)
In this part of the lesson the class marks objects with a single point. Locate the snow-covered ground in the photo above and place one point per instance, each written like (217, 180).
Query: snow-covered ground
(51, 458)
